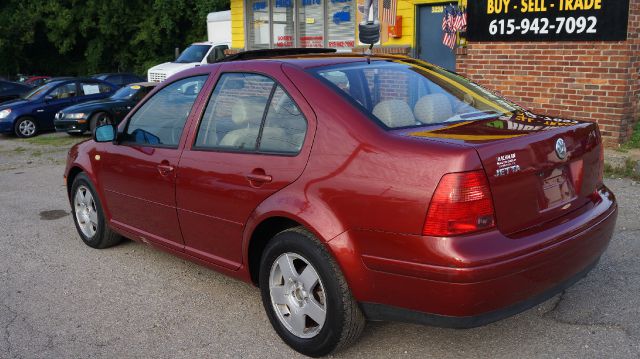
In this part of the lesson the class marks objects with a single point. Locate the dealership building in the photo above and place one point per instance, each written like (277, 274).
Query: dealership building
(566, 58)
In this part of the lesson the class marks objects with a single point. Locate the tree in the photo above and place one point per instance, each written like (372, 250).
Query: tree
(74, 37)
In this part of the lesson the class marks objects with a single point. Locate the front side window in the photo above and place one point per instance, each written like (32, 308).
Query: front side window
(249, 112)
(161, 119)
(193, 53)
(64, 91)
(217, 53)
(406, 95)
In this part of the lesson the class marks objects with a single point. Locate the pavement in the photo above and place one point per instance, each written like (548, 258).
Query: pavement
(62, 299)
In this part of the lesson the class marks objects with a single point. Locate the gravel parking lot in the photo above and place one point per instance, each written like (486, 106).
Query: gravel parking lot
(62, 299)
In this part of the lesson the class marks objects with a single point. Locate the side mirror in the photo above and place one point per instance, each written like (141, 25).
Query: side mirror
(105, 133)
(49, 98)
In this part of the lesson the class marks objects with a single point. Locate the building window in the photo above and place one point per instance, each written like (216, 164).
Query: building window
(311, 30)
(283, 23)
(258, 24)
(300, 23)
(341, 23)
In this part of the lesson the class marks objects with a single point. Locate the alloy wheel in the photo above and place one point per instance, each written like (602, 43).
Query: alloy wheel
(297, 295)
(27, 128)
(86, 211)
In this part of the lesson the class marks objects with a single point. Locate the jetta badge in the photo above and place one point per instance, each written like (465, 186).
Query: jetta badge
(561, 149)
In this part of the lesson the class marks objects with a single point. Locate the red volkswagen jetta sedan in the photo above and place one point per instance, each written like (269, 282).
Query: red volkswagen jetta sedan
(350, 188)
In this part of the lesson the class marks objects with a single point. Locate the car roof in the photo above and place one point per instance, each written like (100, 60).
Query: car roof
(75, 79)
(311, 57)
(113, 73)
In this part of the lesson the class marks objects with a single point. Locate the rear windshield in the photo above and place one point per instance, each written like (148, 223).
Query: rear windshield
(403, 95)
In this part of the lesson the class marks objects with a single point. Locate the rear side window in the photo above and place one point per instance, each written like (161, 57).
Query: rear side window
(161, 119)
(234, 113)
(249, 112)
(284, 127)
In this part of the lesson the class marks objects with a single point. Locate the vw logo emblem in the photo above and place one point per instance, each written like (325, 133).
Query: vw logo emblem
(561, 149)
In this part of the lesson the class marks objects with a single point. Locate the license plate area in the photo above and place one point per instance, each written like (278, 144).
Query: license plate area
(557, 188)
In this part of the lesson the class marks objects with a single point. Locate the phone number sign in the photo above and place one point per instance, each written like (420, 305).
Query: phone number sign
(547, 20)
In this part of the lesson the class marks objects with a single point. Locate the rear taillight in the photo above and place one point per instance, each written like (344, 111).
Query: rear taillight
(461, 204)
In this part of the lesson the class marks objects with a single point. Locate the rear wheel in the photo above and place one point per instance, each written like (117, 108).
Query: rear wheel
(26, 127)
(88, 215)
(99, 119)
(306, 296)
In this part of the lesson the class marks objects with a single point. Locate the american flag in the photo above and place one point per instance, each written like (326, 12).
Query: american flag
(449, 39)
(389, 11)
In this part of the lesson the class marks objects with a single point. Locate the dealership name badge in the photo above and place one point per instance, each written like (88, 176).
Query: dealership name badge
(506, 165)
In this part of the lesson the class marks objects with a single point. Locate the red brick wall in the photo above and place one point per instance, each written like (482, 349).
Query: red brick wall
(634, 70)
(596, 81)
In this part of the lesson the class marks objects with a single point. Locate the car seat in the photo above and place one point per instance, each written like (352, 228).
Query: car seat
(394, 113)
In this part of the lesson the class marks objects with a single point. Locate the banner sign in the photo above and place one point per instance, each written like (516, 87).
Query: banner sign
(548, 20)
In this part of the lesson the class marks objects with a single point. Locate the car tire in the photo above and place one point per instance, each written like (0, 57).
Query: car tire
(88, 215)
(298, 276)
(369, 33)
(99, 119)
(26, 127)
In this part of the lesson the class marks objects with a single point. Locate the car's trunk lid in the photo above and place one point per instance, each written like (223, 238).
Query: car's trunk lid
(538, 168)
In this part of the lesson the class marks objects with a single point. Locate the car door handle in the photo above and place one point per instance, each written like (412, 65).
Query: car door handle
(259, 178)
(165, 170)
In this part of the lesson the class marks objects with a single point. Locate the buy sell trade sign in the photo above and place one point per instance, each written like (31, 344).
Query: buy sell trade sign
(548, 20)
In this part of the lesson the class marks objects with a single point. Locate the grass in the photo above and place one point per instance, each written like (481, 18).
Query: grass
(55, 140)
(627, 171)
(19, 149)
(634, 141)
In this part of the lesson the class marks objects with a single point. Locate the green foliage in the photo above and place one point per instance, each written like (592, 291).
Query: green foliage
(80, 37)
(629, 170)
(634, 141)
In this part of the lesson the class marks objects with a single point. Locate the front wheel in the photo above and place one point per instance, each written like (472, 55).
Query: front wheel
(26, 127)
(306, 296)
(88, 215)
(98, 120)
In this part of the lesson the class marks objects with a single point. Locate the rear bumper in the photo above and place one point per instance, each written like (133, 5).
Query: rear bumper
(470, 281)
(70, 126)
(381, 312)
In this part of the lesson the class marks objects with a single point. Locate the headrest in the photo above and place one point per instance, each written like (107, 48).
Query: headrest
(248, 110)
(434, 108)
(394, 113)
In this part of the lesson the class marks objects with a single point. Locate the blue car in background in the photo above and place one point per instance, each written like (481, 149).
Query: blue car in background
(35, 111)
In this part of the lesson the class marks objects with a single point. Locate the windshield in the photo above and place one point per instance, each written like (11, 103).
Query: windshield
(401, 95)
(126, 92)
(39, 91)
(193, 53)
